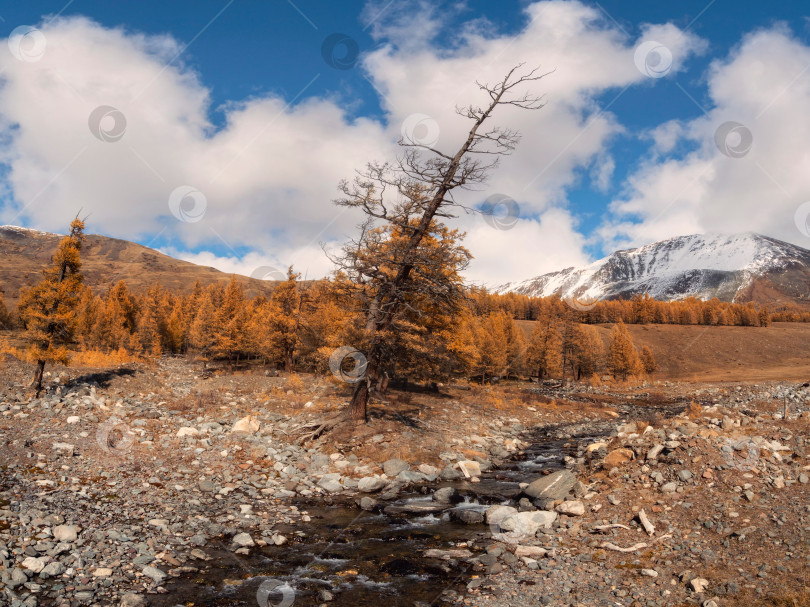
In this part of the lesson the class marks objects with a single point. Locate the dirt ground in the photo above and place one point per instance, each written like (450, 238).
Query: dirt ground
(744, 531)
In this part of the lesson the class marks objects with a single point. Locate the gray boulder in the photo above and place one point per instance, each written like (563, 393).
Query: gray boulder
(370, 484)
(555, 486)
(394, 466)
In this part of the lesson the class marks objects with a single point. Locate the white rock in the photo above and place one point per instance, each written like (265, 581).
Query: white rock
(526, 524)
(248, 424)
(699, 584)
(572, 508)
(370, 484)
(243, 540)
(530, 551)
(74, 419)
(649, 572)
(496, 514)
(154, 573)
(187, 432)
(102, 572)
(66, 533)
(34, 564)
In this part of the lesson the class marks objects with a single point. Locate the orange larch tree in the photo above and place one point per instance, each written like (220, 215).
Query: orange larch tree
(48, 309)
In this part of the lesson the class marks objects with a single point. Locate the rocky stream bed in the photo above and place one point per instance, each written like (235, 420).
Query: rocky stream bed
(112, 497)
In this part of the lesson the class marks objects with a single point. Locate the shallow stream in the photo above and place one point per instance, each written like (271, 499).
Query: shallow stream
(367, 558)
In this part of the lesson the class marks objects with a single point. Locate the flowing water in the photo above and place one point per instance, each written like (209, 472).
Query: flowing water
(367, 558)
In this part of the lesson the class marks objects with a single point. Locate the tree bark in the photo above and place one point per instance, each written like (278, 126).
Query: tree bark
(38, 374)
(359, 404)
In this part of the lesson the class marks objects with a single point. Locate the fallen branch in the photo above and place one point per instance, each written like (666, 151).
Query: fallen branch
(608, 527)
(645, 522)
(633, 548)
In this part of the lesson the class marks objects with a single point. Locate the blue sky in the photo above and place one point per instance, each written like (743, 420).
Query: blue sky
(230, 69)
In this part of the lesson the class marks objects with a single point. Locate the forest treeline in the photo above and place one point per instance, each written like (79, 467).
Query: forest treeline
(643, 309)
(300, 325)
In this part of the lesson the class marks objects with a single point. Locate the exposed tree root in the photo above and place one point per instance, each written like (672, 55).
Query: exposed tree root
(313, 430)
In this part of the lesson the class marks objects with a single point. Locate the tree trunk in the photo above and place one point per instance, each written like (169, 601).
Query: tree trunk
(382, 383)
(359, 405)
(37, 381)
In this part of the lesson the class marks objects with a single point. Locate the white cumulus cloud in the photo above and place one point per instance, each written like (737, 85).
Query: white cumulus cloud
(266, 178)
(759, 95)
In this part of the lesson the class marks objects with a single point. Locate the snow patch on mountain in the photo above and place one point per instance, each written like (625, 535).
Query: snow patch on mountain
(699, 265)
(21, 230)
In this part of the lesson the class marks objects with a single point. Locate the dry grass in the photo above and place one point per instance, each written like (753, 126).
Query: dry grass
(787, 599)
(97, 359)
(694, 410)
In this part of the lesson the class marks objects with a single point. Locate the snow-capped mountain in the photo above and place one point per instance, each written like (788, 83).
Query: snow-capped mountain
(737, 267)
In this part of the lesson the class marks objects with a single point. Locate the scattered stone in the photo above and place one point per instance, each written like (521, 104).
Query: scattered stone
(34, 564)
(444, 495)
(66, 533)
(618, 457)
(243, 540)
(330, 483)
(530, 551)
(572, 508)
(495, 514)
(468, 516)
(132, 600)
(368, 504)
(556, 485)
(394, 466)
(155, 574)
(248, 425)
(371, 484)
(526, 524)
(654, 452)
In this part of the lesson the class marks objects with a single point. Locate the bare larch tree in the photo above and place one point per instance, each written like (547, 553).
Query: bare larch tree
(413, 194)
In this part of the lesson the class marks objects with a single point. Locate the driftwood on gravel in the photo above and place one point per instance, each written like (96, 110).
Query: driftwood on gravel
(645, 522)
(609, 527)
(633, 548)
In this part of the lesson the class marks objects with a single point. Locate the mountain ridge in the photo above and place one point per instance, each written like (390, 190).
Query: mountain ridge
(24, 252)
(732, 267)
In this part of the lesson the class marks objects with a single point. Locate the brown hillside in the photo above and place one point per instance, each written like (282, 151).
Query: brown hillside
(105, 261)
(701, 353)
